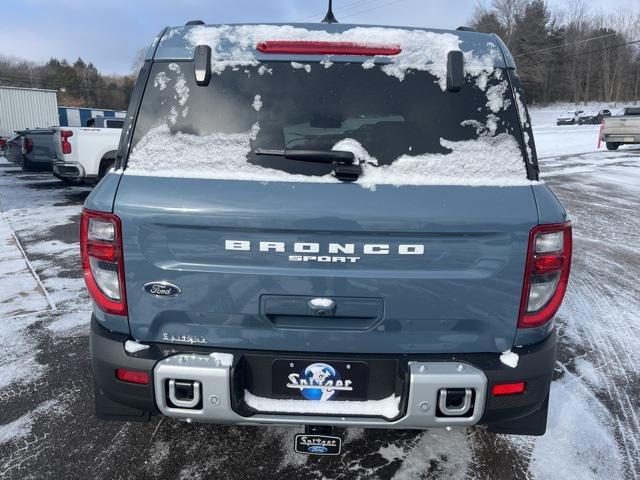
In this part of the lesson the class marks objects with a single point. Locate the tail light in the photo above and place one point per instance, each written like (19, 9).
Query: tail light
(546, 274)
(302, 47)
(102, 262)
(3, 143)
(27, 145)
(64, 142)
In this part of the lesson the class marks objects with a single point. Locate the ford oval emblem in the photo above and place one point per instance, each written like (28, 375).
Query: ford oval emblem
(162, 289)
(317, 449)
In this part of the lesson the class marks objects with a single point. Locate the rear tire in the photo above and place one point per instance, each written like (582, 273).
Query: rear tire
(26, 165)
(612, 145)
(533, 424)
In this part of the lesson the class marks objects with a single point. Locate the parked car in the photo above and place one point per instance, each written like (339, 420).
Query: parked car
(593, 117)
(86, 153)
(569, 118)
(621, 129)
(37, 148)
(295, 239)
(13, 149)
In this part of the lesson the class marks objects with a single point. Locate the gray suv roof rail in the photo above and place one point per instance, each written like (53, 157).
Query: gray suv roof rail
(194, 22)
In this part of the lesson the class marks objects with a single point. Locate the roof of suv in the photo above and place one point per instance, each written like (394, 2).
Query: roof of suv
(235, 44)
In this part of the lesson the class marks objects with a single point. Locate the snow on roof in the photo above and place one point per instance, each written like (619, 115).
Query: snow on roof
(423, 50)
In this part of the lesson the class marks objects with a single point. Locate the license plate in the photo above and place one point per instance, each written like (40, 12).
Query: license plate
(317, 444)
(628, 139)
(319, 380)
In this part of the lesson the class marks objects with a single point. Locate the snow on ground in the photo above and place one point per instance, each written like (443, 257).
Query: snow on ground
(594, 428)
(46, 424)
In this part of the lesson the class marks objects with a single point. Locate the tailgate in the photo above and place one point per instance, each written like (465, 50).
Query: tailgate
(409, 269)
(622, 126)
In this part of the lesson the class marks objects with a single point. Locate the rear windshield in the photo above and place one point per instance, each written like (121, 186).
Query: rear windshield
(406, 131)
(114, 123)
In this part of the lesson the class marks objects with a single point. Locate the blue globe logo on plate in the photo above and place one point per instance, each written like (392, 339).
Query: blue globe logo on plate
(322, 375)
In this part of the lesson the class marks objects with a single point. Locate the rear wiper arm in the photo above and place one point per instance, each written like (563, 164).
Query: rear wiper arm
(317, 156)
(345, 170)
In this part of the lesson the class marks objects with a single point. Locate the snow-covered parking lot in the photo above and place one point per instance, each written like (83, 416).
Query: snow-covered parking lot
(47, 427)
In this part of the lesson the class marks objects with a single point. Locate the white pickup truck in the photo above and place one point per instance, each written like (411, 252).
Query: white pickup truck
(86, 153)
(621, 129)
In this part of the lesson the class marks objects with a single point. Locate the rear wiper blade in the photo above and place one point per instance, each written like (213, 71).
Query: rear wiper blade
(344, 169)
(317, 156)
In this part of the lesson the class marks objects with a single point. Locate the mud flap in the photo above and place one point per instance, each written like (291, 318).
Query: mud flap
(107, 409)
(533, 424)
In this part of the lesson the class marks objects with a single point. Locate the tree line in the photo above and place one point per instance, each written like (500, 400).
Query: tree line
(78, 84)
(568, 54)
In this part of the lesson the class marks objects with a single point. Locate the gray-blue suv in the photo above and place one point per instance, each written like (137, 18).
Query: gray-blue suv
(326, 225)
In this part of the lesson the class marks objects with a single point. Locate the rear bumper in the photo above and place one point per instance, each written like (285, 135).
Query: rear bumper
(222, 400)
(613, 138)
(71, 170)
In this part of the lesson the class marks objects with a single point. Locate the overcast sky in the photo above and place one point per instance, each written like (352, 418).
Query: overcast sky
(109, 32)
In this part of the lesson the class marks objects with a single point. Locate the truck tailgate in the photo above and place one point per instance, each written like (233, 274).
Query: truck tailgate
(461, 294)
(622, 125)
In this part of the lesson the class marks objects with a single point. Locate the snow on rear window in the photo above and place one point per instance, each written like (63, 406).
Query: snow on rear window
(495, 161)
(234, 46)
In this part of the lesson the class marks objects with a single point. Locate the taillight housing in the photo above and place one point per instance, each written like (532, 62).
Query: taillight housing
(64, 141)
(102, 262)
(305, 47)
(27, 145)
(3, 143)
(546, 274)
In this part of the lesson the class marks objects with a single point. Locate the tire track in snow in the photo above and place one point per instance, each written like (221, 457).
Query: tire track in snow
(601, 313)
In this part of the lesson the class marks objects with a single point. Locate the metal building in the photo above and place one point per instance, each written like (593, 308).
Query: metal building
(22, 108)
(77, 117)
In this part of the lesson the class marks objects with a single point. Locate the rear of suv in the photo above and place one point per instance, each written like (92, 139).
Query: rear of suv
(326, 225)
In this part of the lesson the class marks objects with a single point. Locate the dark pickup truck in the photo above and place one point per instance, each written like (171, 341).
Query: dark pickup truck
(326, 225)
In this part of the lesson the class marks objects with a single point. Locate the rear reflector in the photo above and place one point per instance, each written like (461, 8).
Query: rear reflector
(507, 389)
(130, 376)
(302, 47)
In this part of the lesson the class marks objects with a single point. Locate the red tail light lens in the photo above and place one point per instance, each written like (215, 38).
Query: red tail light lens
(130, 376)
(64, 141)
(102, 263)
(302, 47)
(546, 274)
(507, 389)
(3, 143)
(28, 145)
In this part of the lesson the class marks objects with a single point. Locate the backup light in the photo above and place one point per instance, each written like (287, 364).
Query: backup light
(546, 274)
(102, 263)
(304, 47)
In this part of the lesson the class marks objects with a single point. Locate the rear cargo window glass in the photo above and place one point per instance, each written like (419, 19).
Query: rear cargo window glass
(406, 131)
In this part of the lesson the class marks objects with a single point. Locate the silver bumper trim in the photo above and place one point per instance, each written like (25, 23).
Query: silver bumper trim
(426, 380)
(68, 169)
